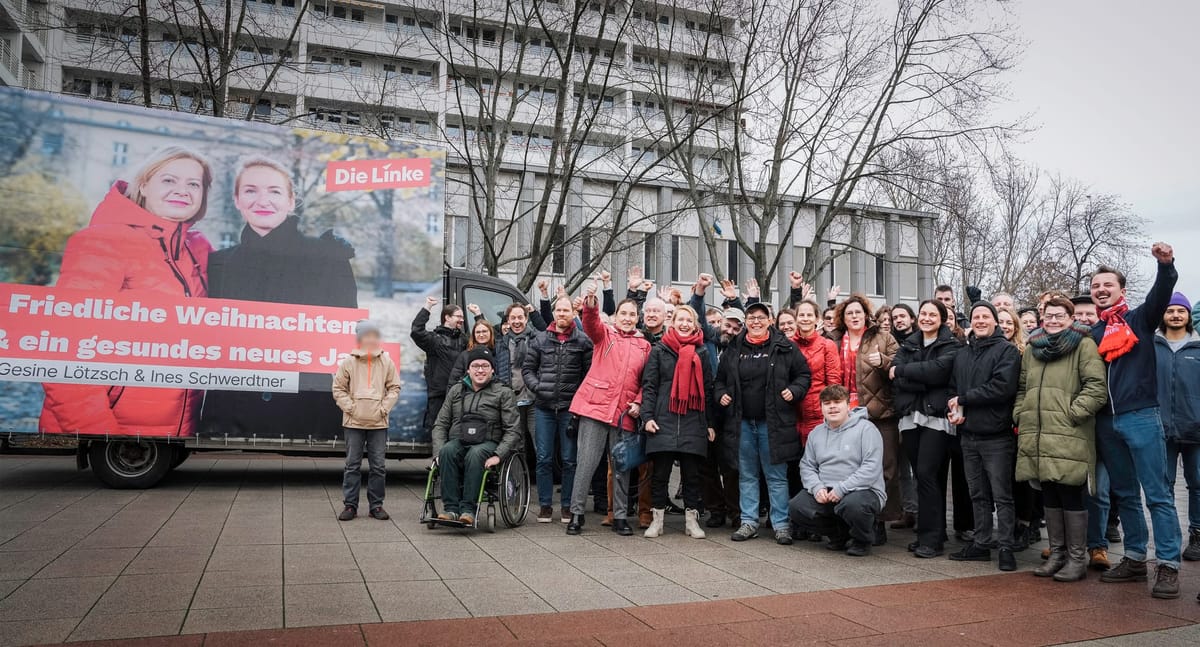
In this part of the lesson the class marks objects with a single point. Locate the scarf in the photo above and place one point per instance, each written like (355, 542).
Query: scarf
(1118, 338)
(687, 385)
(850, 366)
(758, 341)
(1048, 348)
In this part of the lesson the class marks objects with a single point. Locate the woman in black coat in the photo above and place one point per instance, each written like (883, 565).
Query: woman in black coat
(277, 263)
(679, 413)
(921, 375)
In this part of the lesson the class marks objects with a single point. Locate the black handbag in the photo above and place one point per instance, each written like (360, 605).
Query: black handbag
(629, 452)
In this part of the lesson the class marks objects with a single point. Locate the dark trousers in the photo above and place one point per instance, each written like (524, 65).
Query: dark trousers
(988, 463)
(374, 442)
(964, 511)
(928, 452)
(461, 468)
(854, 515)
(1072, 498)
(689, 475)
(720, 483)
(432, 407)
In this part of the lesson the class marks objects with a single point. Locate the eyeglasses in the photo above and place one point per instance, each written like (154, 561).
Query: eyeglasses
(757, 318)
(1058, 316)
(480, 367)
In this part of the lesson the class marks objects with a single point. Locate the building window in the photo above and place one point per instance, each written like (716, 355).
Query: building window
(433, 223)
(650, 256)
(120, 154)
(880, 275)
(558, 257)
(731, 260)
(585, 246)
(458, 241)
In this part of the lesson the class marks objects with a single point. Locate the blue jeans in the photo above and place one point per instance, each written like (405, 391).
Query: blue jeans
(1097, 508)
(754, 457)
(1191, 475)
(1135, 452)
(549, 427)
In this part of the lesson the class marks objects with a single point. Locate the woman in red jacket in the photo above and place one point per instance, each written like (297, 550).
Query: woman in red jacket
(140, 240)
(822, 357)
(607, 403)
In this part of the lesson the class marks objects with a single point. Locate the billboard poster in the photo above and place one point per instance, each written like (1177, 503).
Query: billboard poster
(169, 274)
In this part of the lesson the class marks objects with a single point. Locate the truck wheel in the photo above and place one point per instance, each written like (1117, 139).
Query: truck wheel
(130, 464)
(181, 455)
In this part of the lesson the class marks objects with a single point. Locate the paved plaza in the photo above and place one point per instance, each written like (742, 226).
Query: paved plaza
(236, 543)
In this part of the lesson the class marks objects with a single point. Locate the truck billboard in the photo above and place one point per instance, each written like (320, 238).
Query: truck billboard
(170, 275)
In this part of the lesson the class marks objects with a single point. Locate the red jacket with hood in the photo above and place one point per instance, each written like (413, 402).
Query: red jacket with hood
(615, 377)
(826, 366)
(128, 249)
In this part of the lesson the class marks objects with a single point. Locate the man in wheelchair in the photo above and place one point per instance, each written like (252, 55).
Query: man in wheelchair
(477, 426)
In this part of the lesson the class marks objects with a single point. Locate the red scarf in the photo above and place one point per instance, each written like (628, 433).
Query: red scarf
(1118, 338)
(850, 366)
(758, 341)
(687, 386)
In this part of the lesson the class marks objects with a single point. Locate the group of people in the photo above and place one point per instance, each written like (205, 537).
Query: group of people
(825, 424)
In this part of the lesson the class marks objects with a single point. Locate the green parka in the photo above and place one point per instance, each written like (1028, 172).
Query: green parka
(1055, 413)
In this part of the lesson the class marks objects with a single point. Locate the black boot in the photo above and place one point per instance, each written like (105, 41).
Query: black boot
(576, 525)
(715, 520)
(880, 534)
(621, 527)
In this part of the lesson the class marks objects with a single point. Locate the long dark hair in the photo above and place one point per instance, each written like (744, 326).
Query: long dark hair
(941, 308)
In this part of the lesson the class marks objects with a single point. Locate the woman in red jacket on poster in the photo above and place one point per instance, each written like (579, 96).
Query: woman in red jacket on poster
(140, 239)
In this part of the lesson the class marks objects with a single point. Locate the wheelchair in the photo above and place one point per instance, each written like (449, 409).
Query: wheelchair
(505, 490)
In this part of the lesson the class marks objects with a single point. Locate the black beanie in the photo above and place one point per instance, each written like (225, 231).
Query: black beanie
(989, 306)
(481, 352)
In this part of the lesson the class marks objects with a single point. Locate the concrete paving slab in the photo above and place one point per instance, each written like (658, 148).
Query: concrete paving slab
(67, 597)
(103, 625)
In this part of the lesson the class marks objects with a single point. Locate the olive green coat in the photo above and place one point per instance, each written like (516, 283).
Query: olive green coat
(1056, 415)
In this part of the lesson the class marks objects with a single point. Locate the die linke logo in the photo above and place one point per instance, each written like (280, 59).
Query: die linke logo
(370, 175)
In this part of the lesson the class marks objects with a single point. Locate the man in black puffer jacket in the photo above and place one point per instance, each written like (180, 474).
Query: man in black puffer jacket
(442, 346)
(555, 364)
(983, 387)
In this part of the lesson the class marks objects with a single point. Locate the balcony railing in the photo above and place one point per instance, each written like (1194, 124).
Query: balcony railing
(31, 80)
(6, 56)
(37, 20)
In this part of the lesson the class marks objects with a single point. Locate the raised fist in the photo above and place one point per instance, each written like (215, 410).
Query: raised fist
(796, 280)
(1163, 252)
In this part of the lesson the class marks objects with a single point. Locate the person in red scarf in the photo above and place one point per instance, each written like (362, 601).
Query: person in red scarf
(1129, 433)
(677, 406)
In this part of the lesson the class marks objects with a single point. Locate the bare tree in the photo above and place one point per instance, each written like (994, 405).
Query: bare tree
(851, 85)
(220, 57)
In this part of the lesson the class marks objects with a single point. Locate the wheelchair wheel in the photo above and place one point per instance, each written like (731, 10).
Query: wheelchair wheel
(491, 519)
(513, 490)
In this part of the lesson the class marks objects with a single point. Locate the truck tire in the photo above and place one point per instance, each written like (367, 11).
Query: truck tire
(130, 464)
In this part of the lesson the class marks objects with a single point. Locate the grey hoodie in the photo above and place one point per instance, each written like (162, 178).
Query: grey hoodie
(847, 459)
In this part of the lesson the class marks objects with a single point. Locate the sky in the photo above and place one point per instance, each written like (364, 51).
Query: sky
(1114, 91)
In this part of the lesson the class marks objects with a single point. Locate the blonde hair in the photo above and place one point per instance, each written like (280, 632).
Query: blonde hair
(156, 162)
(247, 163)
(687, 309)
(1018, 339)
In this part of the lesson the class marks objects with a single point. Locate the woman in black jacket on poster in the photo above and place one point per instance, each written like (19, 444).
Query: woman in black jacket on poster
(277, 263)
(921, 375)
(680, 417)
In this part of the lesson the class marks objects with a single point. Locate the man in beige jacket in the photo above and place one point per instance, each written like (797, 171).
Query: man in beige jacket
(365, 388)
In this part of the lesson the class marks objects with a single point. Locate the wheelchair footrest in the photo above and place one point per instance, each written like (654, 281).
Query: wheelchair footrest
(449, 523)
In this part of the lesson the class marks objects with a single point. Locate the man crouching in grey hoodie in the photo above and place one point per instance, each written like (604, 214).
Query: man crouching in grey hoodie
(842, 471)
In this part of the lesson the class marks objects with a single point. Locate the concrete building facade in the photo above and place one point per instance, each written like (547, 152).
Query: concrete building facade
(447, 70)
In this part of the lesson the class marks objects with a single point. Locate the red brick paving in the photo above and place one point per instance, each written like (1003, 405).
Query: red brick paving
(1010, 610)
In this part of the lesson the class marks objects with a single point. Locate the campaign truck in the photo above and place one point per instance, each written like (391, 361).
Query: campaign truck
(172, 283)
